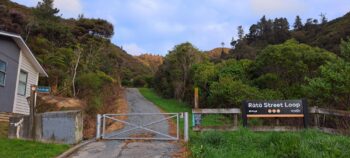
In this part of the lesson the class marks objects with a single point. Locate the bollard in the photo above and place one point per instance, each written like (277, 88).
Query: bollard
(186, 138)
(98, 126)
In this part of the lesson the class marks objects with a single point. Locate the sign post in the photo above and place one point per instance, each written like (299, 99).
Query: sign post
(32, 122)
(196, 118)
(275, 109)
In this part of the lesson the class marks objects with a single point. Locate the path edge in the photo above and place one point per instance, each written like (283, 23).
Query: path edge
(75, 148)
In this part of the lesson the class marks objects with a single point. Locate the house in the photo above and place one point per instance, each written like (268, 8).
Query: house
(19, 69)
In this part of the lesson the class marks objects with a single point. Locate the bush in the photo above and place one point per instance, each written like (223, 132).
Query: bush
(93, 82)
(94, 104)
(230, 93)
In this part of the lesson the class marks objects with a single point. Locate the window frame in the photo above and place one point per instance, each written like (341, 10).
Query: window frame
(26, 82)
(4, 72)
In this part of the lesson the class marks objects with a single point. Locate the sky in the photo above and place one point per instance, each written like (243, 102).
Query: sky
(156, 26)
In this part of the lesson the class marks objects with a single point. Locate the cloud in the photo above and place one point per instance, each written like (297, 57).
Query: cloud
(156, 26)
(273, 7)
(69, 8)
(133, 49)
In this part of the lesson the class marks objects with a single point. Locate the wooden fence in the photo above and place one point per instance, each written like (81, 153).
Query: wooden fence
(315, 111)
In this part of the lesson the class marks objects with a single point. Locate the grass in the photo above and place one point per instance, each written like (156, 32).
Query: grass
(11, 148)
(29, 149)
(247, 144)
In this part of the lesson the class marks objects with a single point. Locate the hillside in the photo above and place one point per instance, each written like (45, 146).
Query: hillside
(25, 21)
(328, 35)
(216, 53)
(315, 32)
(152, 61)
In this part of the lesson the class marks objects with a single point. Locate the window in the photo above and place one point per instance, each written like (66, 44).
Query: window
(22, 85)
(2, 73)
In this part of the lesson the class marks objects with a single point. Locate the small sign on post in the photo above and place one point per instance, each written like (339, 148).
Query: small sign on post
(43, 89)
(275, 109)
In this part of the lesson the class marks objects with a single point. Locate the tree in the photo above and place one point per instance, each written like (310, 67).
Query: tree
(78, 55)
(240, 32)
(281, 30)
(323, 18)
(46, 10)
(94, 27)
(298, 24)
(345, 49)
(331, 88)
(174, 74)
(290, 62)
(233, 42)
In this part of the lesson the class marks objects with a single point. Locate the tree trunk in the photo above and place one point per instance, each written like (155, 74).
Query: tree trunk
(75, 72)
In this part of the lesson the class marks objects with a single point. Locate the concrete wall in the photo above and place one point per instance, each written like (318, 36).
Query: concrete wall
(59, 127)
(9, 53)
(64, 127)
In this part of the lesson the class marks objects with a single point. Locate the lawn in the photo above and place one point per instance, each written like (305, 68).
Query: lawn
(28, 149)
(248, 144)
(10, 148)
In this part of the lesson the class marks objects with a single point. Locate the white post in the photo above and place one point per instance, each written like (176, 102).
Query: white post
(98, 126)
(186, 127)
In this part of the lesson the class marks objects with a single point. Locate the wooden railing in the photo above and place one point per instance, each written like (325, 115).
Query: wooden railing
(315, 111)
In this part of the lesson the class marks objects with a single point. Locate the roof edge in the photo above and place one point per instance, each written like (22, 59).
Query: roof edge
(41, 70)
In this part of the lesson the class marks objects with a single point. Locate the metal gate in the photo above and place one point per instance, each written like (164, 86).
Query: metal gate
(141, 126)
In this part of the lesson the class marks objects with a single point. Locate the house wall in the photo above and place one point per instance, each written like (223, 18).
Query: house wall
(22, 105)
(9, 52)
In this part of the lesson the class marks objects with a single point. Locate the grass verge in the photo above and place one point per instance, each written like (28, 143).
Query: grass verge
(247, 144)
(29, 149)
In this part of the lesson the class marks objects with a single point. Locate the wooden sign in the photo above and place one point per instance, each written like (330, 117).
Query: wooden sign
(274, 109)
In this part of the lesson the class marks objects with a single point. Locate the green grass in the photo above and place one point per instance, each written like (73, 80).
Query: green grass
(10, 148)
(247, 144)
(28, 149)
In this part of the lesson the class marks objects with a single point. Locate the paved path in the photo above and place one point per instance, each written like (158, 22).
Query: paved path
(140, 149)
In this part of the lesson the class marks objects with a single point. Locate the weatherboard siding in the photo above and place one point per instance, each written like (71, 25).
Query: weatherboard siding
(22, 105)
(9, 53)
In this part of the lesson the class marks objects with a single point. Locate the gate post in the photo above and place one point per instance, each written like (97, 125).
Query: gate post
(98, 126)
(186, 127)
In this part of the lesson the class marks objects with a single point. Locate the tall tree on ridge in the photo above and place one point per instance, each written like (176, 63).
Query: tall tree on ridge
(298, 24)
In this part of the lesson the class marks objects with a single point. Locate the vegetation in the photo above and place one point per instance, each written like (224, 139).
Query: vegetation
(173, 77)
(69, 48)
(290, 70)
(245, 143)
(29, 149)
(76, 53)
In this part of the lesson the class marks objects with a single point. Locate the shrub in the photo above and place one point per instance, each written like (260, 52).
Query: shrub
(230, 93)
(93, 82)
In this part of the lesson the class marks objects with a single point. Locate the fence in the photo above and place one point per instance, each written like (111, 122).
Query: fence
(316, 114)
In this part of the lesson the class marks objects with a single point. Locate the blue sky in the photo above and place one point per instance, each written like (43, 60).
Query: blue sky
(156, 26)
